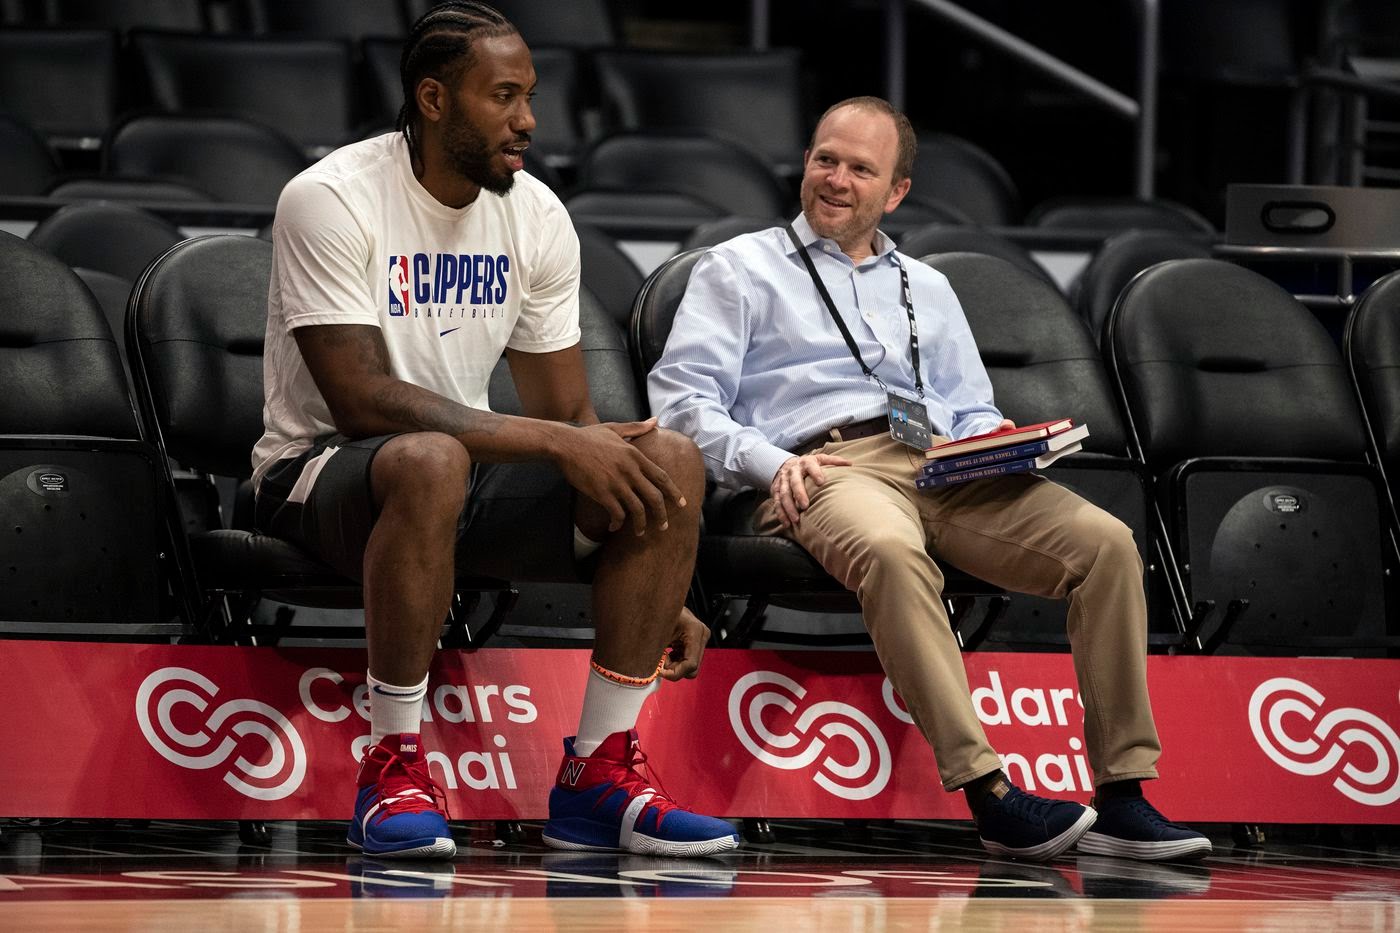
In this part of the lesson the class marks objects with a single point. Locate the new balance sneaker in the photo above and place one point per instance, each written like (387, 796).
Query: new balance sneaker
(601, 803)
(1021, 825)
(397, 812)
(1130, 827)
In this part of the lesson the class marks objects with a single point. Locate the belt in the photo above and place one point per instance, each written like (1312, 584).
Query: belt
(846, 432)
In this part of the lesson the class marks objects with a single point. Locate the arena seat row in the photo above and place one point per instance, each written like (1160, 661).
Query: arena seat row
(194, 331)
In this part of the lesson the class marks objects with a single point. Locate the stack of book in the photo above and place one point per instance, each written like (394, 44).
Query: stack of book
(998, 453)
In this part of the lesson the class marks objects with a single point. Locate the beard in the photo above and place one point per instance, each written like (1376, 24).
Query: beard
(471, 156)
(858, 220)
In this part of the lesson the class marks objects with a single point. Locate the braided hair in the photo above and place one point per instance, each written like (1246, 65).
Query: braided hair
(440, 46)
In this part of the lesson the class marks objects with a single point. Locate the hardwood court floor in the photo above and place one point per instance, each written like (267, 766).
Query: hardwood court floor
(817, 875)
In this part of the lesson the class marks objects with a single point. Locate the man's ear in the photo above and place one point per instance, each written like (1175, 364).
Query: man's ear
(431, 96)
(897, 193)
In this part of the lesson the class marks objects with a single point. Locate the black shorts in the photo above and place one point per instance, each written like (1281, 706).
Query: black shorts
(518, 523)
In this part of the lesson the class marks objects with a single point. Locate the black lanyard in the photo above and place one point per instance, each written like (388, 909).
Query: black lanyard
(845, 331)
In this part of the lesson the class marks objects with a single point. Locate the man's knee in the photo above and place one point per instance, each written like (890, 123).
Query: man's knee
(433, 467)
(673, 452)
(1112, 539)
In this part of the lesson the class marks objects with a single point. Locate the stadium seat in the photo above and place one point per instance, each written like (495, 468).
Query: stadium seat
(177, 15)
(1373, 355)
(608, 273)
(78, 484)
(751, 98)
(734, 562)
(62, 82)
(30, 166)
(1117, 214)
(254, 78)
(232, 159)
(632, 168)
(1044, 365)
(143, 190)
(115, 238)
(1114, 264)
(1240, 404)
(955, 171)
(942, 238)
(111, 292)
(715, 232)
(195, 333)
(584, 24)
(328, 19)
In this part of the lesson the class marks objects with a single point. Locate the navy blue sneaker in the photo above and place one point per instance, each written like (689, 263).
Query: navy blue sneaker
(397, 811)
(602, 804)
(1021, 825)
(1130, 827)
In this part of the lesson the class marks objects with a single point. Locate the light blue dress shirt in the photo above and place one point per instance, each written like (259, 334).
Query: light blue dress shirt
(755, 365)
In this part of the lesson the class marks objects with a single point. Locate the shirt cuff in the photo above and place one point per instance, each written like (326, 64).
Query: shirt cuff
(763, 464)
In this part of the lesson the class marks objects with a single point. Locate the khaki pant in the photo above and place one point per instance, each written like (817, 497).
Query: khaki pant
(874, 531)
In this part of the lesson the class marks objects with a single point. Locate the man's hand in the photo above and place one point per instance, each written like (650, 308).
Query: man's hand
(683, 656)
(599, 461)
(1006, 425)
(789, 490)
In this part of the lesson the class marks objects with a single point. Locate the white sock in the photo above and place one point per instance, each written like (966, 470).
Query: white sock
(608, 707)
(393, 710)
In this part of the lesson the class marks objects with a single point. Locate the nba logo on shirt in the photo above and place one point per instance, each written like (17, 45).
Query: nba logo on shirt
(398, 286)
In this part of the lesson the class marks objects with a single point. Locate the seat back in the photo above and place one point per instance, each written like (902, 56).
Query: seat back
(608, 273)
(953, 170)
(301, 87)
(943, 238)
(1241, 405)
(78, 485)
(330, 19)
(715, 232)
(1116, 262)
(230, 158)
(195, 335)
(1116, 214)
(62, 82)
(30, 166)
(654, 311)
(750, 98)
(130, 14)
(704, 167)
(1373, 355)
(578, 23)
(115, 238)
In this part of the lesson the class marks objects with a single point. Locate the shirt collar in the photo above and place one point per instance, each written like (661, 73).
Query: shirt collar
(884, 246)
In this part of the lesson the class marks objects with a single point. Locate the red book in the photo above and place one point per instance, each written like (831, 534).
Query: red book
(1019, 435)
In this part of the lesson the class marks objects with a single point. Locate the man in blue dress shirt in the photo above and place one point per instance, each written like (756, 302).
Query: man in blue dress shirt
(759, 373)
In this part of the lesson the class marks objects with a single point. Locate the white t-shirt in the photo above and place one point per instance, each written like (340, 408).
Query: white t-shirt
(357, 240)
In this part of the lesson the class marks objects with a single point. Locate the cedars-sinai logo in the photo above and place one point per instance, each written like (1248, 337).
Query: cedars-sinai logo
(174, 709)
(1293, 726)
(851, 754)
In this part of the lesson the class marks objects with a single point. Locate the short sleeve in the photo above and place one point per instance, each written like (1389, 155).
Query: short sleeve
(321, 252)
(549, 312)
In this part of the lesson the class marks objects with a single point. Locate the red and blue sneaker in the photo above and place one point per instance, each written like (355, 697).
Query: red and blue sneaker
(397, 811)
(600, 803)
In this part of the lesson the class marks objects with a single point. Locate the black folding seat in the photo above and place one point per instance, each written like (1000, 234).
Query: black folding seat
(917, 211)
(942, 238)
(1373, 355)
(82, 543)
(608, 273)
(751, 98)
(301, 87)
(232, 159)
(1240, 404)
(1117, 214)
(584, 24)
(1121, 257)
(330, 19)
(733, 561)
(714, 232)
(181, 15)
(144, 190)
(111, 292)
(62, 82)
(1044, 365)
(637, 174)
(115, 238)
(30, 166)
(195, 333)
(955, 171)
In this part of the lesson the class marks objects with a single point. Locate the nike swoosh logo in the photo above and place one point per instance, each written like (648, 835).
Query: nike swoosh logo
(381, 691)
(449, 331)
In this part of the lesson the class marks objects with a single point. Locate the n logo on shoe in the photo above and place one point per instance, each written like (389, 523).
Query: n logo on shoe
(808, 735)
(1288, 722)
(573, 770)
(208, 738)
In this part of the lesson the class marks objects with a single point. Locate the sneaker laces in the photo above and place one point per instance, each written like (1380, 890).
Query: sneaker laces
(1029, 807)
(634, 784)
(1148, 812)
(405, 786)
